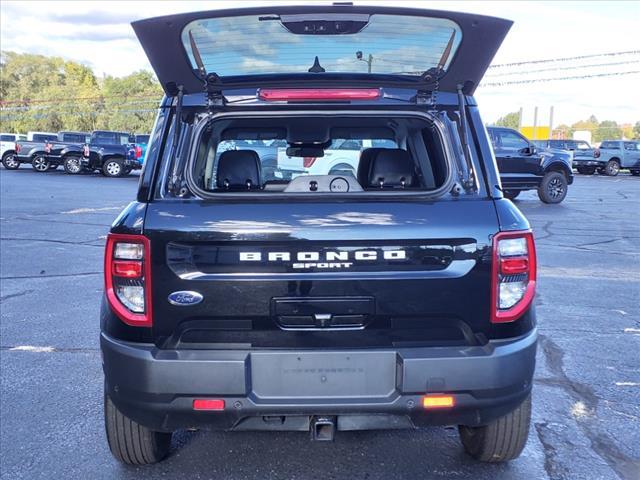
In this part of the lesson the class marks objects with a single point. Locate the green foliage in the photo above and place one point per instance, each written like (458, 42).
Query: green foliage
(510, 120)
(636, 131)
(51, 94)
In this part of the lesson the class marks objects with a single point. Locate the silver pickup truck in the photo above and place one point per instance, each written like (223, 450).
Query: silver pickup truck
(619, 154)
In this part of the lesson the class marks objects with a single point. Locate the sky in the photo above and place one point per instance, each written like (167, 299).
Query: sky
(98, 34)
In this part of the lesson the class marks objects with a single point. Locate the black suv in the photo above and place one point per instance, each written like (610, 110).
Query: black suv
(399, 295)
(524, 166)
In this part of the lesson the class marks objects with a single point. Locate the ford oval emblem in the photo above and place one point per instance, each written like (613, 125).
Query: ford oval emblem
(185, 298)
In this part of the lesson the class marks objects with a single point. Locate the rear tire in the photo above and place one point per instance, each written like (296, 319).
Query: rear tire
(130, 442)
(511, 194)
(586, 170)
(9, 161)
(72, 165)
(113, 168)
(553, 188)
(40, 163)
(612, 168)
(501, 440)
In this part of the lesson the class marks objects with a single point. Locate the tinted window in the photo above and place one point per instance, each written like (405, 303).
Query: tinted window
(610, 146)
(104, 138)
(631, 146)
(512, 140)
(582, 146)
(42, 137)
(124, 139)
(7, 138)
(143, 139)
(74, 137)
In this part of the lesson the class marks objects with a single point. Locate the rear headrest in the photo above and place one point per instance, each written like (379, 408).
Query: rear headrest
(365, 164)
(391, 167)
(239, 170)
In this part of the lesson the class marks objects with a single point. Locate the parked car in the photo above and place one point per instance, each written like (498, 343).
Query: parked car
(523, 166)
(619, 154)
(401, 297)
(586, 159)
(7, 149)
(44, 152)
(340, 158)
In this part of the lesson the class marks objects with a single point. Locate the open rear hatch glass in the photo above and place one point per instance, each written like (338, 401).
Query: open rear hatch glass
(320, 45)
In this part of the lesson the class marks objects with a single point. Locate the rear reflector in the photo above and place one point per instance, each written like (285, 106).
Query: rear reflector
(211, 404)
(308, 94)
(438, 401)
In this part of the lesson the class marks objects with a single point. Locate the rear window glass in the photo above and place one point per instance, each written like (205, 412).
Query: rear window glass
(43, 137)
(7, 138)
(144, 139)
(355, 43)
(275, 158)
(74, 137)
(610, 145)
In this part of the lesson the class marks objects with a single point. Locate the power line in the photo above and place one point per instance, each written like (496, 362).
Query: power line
(75, 99)
(564, 59)
(573, 67)
(573, 77)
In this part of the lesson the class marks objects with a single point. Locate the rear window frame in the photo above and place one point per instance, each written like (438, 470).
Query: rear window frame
(202, 123)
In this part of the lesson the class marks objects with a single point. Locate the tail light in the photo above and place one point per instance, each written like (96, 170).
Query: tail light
(310, 94)
(138, 151)
(127, 274)
(596, 153)
(513, 281)
(17, 147)
(307, 162)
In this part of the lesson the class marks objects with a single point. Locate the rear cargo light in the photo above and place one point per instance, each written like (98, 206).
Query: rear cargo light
(307, 94)
(127, 274)
(307, 162)
(210, 404)
(513, 279)
(438, 401)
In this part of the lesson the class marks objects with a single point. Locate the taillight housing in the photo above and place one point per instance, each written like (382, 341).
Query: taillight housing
(127, 275)
(17, 147)
(513, 276)
(307, 162)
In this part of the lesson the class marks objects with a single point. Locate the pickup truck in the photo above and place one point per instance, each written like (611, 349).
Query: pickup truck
(523, 166)
(617, 154)
(400, 297)
(107, 152)
(586, 159)
(7, 149)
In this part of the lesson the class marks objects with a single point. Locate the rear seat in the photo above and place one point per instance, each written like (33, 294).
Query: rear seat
(239, 170)
(389, 168)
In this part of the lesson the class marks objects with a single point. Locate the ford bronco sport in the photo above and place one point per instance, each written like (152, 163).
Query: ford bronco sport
(396, 296)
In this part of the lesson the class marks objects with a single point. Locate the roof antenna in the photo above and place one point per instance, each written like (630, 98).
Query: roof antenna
(316, 67)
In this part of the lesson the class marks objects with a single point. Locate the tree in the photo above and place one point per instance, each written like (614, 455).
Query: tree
(636, 131)
(511, 120)
(607, 130)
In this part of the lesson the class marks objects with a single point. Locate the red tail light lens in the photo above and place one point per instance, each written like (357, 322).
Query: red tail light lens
(17, 147)
(127, 274)
(210, 404)
(310, 94)
(513, 280)
(307, 162)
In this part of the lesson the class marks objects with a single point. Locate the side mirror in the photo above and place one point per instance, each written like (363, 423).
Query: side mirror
(530, 150)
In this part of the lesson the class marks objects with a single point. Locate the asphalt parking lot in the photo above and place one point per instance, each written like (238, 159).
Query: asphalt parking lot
(586, 417)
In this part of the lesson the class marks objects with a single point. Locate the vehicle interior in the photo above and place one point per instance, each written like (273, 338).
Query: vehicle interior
(319, 154)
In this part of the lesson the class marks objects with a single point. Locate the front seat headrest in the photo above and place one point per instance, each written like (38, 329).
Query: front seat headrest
(239, 170)
(365, 164)
(391, 168)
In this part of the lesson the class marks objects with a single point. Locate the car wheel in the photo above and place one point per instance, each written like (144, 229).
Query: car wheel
(10, 162)
(553, 188)
(612, 168)
(130, 442)
(511, 194)
(501, 440)
(586, 170)
(113, 168)
(72, 165)
(40, 163)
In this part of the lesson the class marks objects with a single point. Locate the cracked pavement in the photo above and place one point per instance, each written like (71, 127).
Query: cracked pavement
(586, 407)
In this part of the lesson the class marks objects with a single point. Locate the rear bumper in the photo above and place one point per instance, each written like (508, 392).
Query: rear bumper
(280, 390)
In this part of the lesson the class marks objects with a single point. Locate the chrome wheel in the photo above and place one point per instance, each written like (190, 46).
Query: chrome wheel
(40, 164)
(556, 188)
(613, 168)
(72, 165)
(113, 168)
(10, 162)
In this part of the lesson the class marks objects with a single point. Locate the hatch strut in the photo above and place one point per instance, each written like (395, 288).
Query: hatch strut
(468, 181)
(175, 183)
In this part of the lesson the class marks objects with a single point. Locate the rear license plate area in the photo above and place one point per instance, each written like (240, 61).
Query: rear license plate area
(309, 375)
(322, 313)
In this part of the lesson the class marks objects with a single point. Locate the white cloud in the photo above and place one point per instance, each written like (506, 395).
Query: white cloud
(97, 34)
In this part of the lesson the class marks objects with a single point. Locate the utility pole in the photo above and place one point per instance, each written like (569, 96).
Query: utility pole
(369, 60)
(520, 120)
(551, 122)
(535, 124)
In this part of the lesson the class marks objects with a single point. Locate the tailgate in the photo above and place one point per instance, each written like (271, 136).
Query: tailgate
(320, 274)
